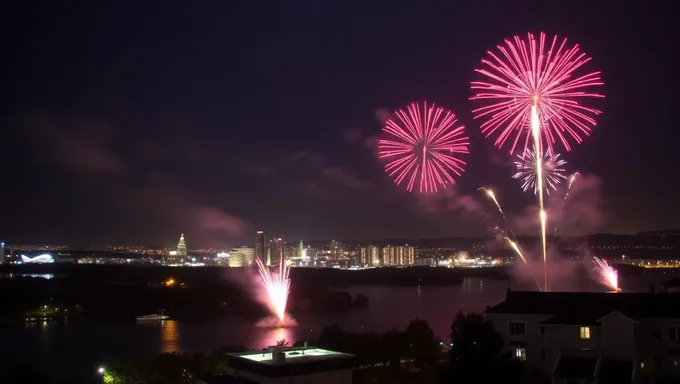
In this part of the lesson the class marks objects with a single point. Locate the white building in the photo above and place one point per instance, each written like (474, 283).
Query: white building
(304, 365)
(593, 337)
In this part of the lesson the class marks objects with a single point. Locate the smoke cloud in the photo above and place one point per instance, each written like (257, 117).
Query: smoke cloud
(448, 200)
(582, 212)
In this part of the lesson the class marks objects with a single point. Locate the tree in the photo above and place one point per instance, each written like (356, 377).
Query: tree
(395, 347)
(422, 342)
(477, 353)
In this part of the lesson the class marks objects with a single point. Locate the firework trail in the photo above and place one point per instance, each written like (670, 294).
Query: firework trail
(542, 217)
(492, 196)
(553, 173)
(277, 286)
(527, 83)
(608, 276)
(512, 243)
(515, 248)
(541, 74)
(421, 146)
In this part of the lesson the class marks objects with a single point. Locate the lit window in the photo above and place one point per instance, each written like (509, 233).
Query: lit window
(585, 332)
(521, 354)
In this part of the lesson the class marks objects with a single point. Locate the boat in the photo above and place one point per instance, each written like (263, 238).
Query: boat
(156, 317)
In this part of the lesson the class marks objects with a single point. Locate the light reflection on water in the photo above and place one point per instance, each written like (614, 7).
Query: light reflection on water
(170, 337)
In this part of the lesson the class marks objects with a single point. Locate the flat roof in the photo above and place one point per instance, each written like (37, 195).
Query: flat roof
(293, 355)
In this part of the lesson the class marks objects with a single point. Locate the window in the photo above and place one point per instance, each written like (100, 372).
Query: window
(585, 332)
(673, 334)
(521, 354)
(517, 328)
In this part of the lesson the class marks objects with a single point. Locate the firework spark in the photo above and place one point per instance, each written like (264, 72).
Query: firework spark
(277, 286)
(553, 173)
(607, 274)
(492, 196)
(421, 146)
(542, 74)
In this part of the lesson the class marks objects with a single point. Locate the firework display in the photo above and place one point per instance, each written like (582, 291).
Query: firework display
(533, 98)
(553, 171)
(607, 274)
(422, 145)
(527, 74)
(277, 287)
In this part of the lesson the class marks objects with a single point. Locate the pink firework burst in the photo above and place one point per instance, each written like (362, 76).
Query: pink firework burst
(422, 145)
(543, 72)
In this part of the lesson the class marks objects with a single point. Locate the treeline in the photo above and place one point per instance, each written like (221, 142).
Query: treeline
(181, 301)
(474, 353)
(301, 277)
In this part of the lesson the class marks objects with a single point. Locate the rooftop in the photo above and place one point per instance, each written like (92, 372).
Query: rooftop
(296, 361)
(592, 306)
(293, 355)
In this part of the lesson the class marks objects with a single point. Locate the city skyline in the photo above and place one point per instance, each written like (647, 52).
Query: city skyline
(113, 138)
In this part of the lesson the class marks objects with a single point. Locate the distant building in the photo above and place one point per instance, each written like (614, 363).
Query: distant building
(248, 255)
(592, 337)
(370, 256)
(181, 247)
(276, 251)
(336, 250)
(236, 259)
(44, 258)
(399, 255)
(2, 252)
(288, 365)
(260, 246)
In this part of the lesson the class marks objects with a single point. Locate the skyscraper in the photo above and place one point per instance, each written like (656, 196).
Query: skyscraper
(181, 247)
(399, 255)
(276, 251)
(260, 246)
(370, 255)
(2, 252)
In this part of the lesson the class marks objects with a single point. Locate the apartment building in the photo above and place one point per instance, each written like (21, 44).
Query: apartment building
(593, 337)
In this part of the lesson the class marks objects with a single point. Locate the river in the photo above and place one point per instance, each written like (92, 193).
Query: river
(75, 347)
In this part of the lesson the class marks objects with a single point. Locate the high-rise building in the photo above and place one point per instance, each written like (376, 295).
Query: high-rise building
(370, 255)
(276, 251)
(399, 255)
(336, 250)
(181, 247)
(260, 246)
(2, 252)
(248, 255)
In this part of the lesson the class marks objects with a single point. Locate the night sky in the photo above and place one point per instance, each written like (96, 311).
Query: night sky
(129, 122)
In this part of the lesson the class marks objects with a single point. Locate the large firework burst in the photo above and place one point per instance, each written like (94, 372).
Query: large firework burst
(421, 145)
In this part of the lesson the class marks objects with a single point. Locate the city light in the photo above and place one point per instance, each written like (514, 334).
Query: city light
(45, 258)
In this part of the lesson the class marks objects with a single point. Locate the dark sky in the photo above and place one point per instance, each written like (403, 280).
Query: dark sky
(132, 121)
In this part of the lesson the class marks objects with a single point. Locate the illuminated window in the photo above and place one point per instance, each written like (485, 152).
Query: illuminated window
(521, 354)
(585, 332)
